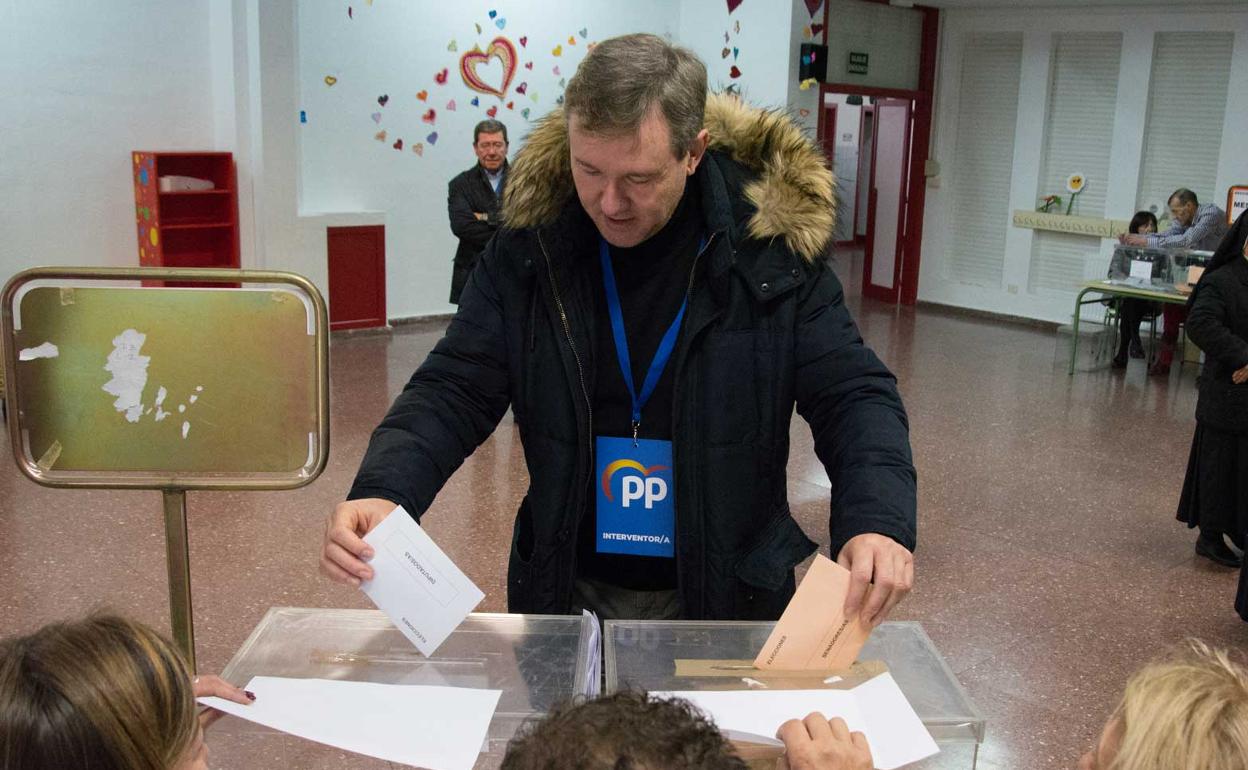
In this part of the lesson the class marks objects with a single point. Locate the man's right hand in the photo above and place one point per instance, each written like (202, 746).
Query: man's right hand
(344, 552)
(817, 743)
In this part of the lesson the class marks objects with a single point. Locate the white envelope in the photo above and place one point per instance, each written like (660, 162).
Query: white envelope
(417, 585)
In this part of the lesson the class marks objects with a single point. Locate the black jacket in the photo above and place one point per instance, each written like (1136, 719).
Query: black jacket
(1218, 323)
(467, 194)
(766, 330)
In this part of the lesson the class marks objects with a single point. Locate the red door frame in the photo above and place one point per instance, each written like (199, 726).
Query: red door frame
(921, 141)
(890, 295)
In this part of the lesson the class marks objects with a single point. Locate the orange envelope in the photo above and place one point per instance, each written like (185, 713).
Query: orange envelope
(813, 633)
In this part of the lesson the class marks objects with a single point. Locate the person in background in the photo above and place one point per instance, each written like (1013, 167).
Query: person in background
(103, 693)
(1186, 713)
(1195, 227)
(1130, 310)
(1215, 490)
(634, 730)
(474, 199)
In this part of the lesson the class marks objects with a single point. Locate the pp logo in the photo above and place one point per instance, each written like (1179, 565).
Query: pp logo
(647, 488)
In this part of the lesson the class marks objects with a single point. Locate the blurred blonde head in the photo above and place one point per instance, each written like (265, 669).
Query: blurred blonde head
(1186, 713)
(103, 693)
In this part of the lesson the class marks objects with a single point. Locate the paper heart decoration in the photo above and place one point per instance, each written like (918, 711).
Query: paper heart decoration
(432, 138)
(451, 46)
(583, 31)
(500, 23)
(500, 48)
(511, 105)
(733, 5)
(533, 96)
(522, 88)
(450, 106)
(493, 14)
(478, 26)
(806, 31)
(735, 52)
(724, 53)
(812, 6)
(380, 136)
(383, 99)
(571, 40)
(440, 78)
(528, 65)
(815, 29)
(725, 37)
(350, 13)
(525, 113)
(563, 82)
(492, 111)
(422, 95)
(376, 116)
(476, 102)
(429, 116)
(557, 51)
(330, 80)
(556, 69)
(559, 100)
(419, 149)
(398, 145)
(524, 41)
(734, 72)
(736, 26)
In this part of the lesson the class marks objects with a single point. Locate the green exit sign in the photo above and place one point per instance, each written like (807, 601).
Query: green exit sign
(858, 63)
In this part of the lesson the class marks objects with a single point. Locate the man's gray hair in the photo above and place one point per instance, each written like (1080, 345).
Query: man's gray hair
(1184, 196)
(489, 127)
(623, 78)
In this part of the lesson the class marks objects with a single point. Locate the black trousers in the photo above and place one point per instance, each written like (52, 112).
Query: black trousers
(1130, 313)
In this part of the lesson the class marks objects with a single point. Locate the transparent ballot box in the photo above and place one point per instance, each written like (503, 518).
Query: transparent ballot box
(643, 655)
(536, 660)
(1155, 269)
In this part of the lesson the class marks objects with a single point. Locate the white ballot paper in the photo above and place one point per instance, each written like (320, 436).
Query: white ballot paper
(418, 587)
(1141, 271)
(876, 708)
(441, 728)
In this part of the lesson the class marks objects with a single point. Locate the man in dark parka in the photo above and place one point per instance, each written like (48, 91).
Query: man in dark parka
(644, 177)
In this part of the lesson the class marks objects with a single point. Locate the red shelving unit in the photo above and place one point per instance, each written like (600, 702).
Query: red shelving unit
(197, 228)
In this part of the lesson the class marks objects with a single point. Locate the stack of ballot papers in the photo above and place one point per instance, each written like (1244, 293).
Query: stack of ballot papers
(441, 728)
(877, 708)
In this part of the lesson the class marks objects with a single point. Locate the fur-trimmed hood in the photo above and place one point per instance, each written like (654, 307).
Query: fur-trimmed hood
(791, 192)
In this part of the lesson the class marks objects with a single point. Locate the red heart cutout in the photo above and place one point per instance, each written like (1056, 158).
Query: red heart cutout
(815, 29)
(733, 5)
(500, 47)
(422, 95)
(812, 6)
(398, 145)
(734, 72)
(522, 88)
(524, 41)
(441, 77)
(492, 111)
(511, 105)
(528, 65)
(429, 116)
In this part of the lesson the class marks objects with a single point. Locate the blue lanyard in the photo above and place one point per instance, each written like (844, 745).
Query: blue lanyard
(661, 356)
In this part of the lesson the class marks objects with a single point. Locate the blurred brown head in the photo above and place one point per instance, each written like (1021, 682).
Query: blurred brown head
(622, 731)
(102, 693)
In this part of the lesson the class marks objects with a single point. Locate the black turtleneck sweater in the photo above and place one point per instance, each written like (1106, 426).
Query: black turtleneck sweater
(653, 280)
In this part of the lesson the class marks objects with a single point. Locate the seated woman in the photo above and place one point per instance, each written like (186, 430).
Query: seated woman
(1190, 712)
(1132, 311)
(103, 693)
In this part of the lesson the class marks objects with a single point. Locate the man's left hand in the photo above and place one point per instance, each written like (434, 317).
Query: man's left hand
(1129, 239)
(883, 566)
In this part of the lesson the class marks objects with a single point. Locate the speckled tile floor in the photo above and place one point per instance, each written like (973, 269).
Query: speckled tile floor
(1049, 563)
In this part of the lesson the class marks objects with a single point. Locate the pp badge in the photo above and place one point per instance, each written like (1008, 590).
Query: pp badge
(636, 512)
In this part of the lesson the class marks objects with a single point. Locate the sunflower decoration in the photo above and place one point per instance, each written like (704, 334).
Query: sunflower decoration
(1075, 184)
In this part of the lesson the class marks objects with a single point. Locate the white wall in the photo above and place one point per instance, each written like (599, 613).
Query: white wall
(81, 85)
(1138, 26)
(764, 45)
(396, 49)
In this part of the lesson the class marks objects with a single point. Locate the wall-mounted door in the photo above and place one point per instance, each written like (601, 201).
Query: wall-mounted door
(890, 167)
